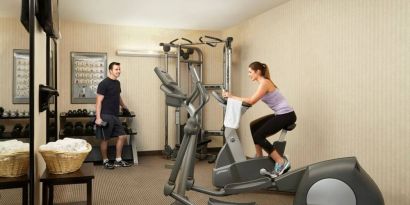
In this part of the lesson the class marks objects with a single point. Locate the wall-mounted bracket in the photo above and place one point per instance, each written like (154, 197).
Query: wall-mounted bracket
(46, 93)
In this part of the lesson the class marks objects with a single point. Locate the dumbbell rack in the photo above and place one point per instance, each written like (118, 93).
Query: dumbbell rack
(129, 152)
(10, 122)
(7, 135)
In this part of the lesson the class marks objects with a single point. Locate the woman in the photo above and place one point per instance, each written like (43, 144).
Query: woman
(264, 127)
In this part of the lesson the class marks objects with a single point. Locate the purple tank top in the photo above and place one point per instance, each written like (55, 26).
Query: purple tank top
(277, 102)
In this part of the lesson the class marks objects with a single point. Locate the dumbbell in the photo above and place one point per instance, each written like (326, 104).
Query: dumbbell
(85, 112)
(5, 114)
(99, 128)
(89, 128)
(1, 111)
(52, 129)
(78, 128)
(125, 125)
(16, 130)
(74, 113)
(2, 128)
(91, 113)
(80, 112)
(70, 113)
(125, 112)
(127, 129)
(68, 128)
(26, 131)
(13, 114)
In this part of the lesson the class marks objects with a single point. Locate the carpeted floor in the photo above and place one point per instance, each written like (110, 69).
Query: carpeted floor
(141, 185)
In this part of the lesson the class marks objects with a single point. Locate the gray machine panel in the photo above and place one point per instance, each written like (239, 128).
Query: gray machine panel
(330, 192)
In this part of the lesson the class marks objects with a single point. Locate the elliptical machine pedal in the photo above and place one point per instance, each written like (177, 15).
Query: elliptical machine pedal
(271, 174)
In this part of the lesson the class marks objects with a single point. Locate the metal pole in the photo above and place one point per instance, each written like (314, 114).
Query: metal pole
(166, 106)
(32, 178)
(178, 110)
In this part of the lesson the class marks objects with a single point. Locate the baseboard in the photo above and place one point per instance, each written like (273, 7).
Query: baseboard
(150, 153)
(213, 150)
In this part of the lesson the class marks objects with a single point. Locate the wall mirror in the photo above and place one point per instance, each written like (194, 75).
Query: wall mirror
(51, 66)
(14, 100)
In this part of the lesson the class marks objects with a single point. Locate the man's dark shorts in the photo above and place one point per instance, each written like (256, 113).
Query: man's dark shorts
(114, 128)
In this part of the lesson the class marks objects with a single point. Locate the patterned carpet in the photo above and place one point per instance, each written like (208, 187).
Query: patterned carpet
(141, 185)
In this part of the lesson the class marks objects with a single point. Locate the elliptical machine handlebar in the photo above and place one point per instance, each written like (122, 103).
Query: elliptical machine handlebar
(204, 96)
(223, 101)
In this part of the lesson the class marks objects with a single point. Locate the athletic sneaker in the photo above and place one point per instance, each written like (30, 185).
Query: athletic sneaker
(281, 168)
(108, 165)
(121, 163)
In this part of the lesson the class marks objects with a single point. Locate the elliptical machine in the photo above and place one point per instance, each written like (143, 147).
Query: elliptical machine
(333, 182)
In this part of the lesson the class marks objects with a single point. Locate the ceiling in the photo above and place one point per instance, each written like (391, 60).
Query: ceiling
(178, 14)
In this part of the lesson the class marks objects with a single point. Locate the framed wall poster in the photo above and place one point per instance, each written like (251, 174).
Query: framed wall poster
(87, 71)
(21, 76)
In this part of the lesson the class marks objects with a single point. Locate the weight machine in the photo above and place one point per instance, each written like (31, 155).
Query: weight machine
(185, 50)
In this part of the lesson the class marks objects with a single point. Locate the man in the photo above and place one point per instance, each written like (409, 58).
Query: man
(107, 108)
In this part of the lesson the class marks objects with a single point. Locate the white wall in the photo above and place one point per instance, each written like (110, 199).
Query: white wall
(344, 66)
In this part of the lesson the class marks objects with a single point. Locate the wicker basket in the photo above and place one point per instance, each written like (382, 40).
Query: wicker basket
(59, 162)
(14, 164)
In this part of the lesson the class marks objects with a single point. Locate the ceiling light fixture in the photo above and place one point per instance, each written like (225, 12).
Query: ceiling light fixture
(144, 53)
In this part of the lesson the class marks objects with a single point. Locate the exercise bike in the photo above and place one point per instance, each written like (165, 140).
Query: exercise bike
(333, 182)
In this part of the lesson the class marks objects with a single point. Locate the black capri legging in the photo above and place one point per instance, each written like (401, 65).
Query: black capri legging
(266, 126)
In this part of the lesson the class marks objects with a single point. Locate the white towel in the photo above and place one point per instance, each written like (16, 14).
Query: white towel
(233, 113)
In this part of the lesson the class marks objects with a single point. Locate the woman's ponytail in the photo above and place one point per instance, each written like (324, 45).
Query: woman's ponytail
(266, 71)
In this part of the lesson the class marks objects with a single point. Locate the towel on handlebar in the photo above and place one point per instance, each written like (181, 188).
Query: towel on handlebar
(233, 113)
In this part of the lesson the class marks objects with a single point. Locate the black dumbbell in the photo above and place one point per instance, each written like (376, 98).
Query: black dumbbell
(1, 111)
(68, 128)
(125, 112)
(127, 129)
(85, 112)
(17, 130)
(78, 128)
(79, 112)
(52, 129)
(70, 113)
(102, 124)
(75, 114)
(26, 131)
(2, 128)
(124, 125)
(89, 128)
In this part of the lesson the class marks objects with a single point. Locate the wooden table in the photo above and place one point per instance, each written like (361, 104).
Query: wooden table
(16, 182)
(84, 175)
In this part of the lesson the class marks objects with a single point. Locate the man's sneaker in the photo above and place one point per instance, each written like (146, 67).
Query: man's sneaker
(108, 165)
(121, 163)
(282, 168)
